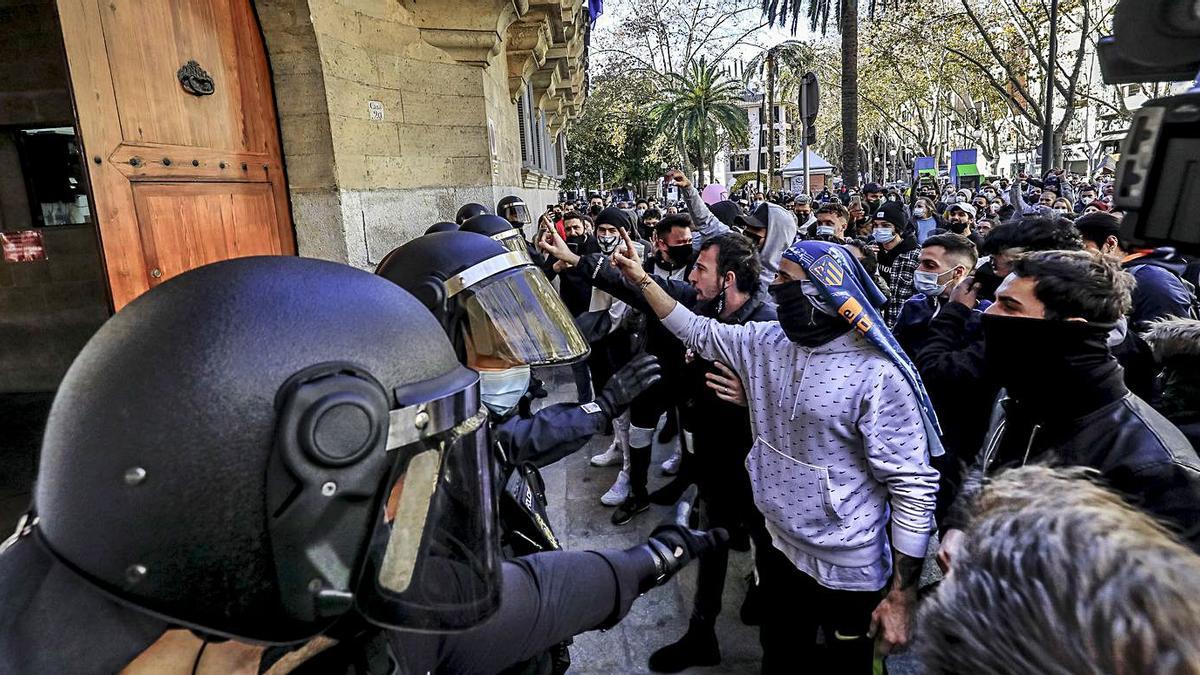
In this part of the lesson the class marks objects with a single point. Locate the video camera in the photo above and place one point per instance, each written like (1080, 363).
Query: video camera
(1158, 177)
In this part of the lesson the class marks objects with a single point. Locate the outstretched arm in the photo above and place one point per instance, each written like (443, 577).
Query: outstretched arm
(706, 224)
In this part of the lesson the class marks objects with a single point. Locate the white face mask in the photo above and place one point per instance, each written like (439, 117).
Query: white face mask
(608, 243)
(501, 390)
(919, 212)
(1061, 212)
(825, 230)
(927, 283)
(883, 235)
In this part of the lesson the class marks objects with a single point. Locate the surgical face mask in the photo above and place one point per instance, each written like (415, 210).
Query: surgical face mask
(640, 212)
(930, 283)
(1061, 212)
(825, 231)
(883, 235)
(990, 194)
(608, 243)
(501, 390)
(952, 199)
(919, 212)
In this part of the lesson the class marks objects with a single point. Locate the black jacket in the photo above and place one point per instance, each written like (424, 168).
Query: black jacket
(659, 341)
(1136, 450)
(721, 431)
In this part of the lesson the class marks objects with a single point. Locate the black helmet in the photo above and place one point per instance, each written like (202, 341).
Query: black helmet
(468, 211)
(499, 229)
(514, 210)
(252, 449)
(497, 307)
(441, 227)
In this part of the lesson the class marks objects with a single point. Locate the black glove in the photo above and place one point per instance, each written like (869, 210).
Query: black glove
(673, 544)
(634, 378)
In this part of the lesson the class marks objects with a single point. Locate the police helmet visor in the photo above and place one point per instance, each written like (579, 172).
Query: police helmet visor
(513, 241)
(517, 212)
(513, 317)
(434, 560)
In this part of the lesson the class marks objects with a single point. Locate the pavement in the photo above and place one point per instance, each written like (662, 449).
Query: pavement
(573, 489)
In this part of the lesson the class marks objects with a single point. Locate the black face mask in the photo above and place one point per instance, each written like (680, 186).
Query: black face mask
(679, 256)
(800, 319)
(575, 242)
(1052, 365)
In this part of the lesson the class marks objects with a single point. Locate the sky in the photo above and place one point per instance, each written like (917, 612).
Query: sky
(764, 37)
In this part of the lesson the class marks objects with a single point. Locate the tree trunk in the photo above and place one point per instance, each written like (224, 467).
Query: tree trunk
(771, 118)
(849, 21)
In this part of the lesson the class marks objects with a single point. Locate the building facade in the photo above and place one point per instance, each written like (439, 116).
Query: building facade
(749, 162)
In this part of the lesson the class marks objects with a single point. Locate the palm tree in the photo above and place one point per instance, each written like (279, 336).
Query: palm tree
(696, 108)
(797, 57)
(819, 11)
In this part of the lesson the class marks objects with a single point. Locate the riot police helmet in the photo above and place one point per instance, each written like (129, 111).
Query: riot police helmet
(497, 307)
(468, 211)
(514, 210)
(441, 227)
(258, 447)
(499, 229)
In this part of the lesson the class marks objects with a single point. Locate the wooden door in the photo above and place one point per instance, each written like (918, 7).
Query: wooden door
(178, 123)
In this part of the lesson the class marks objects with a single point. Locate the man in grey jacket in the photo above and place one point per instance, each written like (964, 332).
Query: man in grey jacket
(844, 435)
(770, 226)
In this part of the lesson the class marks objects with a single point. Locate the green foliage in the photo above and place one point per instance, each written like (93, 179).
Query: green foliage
(616, 134)
(697, 109)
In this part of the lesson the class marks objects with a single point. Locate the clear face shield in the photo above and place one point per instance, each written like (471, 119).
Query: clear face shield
(434, 562)
(517, 212)
(513, 317)
(514, 241)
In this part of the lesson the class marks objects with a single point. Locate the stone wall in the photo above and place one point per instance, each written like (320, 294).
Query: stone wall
(394, 113)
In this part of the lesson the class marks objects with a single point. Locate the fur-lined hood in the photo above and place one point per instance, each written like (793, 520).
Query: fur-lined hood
(1174, 339)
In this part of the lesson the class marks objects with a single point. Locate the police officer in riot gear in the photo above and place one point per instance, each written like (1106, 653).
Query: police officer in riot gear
(281, 451)
(514, 210)
(504, 318)
(469, 211)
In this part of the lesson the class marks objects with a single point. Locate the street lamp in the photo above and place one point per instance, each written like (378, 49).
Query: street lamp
(578, 185)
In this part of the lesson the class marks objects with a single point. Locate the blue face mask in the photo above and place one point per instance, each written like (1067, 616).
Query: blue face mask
(825, 231)
(883, 235)
(501, 390)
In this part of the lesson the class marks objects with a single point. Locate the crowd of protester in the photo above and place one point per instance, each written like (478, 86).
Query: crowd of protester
(854, 374)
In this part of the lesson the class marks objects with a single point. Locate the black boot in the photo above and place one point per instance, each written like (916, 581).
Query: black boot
(671, 492)
(697, 647)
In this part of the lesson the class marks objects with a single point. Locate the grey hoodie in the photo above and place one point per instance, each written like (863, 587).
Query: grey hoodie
(781, 231)
(840, 448)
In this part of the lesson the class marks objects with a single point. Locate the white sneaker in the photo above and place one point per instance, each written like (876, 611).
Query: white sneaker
(671, 466)
(610, 457)
(618, 493)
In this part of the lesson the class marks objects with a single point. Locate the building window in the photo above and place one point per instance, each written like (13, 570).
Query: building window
(739, 163)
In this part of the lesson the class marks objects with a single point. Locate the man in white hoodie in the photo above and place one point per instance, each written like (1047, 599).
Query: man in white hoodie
(844, 434)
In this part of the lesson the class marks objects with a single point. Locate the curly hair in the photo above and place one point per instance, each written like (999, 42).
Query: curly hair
(1059, 575)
